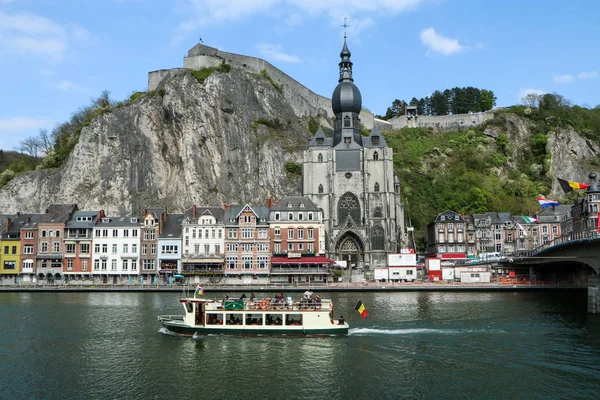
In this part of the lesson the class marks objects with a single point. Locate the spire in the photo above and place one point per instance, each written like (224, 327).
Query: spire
(345, 64)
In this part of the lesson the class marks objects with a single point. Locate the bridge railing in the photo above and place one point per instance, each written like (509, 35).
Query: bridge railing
(573, 237)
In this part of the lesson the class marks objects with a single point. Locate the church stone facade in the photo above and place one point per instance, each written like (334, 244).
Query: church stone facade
(351, 179)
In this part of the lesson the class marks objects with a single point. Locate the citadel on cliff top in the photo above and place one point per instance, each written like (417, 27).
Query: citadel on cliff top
(304, 101)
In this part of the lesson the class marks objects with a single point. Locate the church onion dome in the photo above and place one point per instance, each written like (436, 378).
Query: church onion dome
(346, 98)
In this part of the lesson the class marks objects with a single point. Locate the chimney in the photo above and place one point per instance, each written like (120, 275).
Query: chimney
(194, 211)
(28, 221)
(8, 221)
(144, 212)
(161, 224)
(101, 215)
(269, 202)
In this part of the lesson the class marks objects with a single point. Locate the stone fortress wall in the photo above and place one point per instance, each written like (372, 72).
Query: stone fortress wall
(304, 101)
(439, 122)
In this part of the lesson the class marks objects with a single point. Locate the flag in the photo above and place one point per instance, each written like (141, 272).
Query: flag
(568, 186)
(199, 290)
(545, 203)
(360, 307)
(522, 229)
(529, 220)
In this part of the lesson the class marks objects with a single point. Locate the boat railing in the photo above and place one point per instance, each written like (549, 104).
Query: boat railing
(172, 317)
(269, 305)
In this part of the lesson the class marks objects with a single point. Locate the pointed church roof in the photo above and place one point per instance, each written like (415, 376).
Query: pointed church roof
(320, 135)
(379, 139)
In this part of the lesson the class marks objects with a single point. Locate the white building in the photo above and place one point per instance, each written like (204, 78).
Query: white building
(116, 247)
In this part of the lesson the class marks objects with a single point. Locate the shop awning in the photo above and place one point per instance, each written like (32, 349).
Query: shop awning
(302, 260)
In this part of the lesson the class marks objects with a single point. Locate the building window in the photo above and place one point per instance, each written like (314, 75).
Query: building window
(375, 155)
(134, 248)
(84, 265)
(247, 262)
(277, 231)
(349, 206)
(310, 216)
(290, 233)
(375, 141)
(346, 122)
(276, 216)
(28, 249)
(277, 248)
(114, 249)
(217, 249)
(377, 238)
(28, 235)
(290, 216)
(125, 265)
(310, 233)
(133, 265)
(320, 157)
(153, 251)
(70, 248)
(321, 188)
(377, 186)
(113, 265)
(319, 141)
(300, 233)
(84, 248)
(56, 247)
(125, 248)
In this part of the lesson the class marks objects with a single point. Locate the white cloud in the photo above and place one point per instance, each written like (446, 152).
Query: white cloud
(275, 52)
(561, 79)
(587, 75)
(15, 124)
(524, 92)
(216, 12)
(28, 34)
(438, 43)
(68, 86)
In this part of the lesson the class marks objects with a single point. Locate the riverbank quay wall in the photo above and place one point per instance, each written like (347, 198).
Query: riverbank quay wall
(298, 289)
(303, 101)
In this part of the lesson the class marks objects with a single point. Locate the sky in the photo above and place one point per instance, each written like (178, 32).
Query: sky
(56, 55)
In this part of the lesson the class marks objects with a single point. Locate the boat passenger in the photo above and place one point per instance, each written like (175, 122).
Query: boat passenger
(252, 297)
(341, 320)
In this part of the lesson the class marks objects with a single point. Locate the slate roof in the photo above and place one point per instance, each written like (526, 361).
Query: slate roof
(73, 223)
(172, 226)
(233, 212)
(57, 213)
(119, 222)
(217, 212)
(449, 216)
(368, 141)
(292, 203)
(327, 141)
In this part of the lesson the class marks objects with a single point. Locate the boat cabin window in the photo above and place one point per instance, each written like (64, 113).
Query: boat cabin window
(293, 319)
(189, 307)
(254, 319)
(274, 319)
(214, 319)
(233, 319)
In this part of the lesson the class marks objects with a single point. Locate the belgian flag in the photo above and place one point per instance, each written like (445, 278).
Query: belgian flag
(568, 186)
(360, 307)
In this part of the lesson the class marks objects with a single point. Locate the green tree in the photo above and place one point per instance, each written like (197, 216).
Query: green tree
(487, 100)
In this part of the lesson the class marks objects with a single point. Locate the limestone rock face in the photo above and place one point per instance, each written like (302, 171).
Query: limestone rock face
(227, 139)
(570, 157)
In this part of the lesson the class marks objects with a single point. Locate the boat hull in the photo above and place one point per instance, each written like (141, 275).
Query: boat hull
(186, 330)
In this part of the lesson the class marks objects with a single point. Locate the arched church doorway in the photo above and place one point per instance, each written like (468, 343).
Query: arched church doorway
(349, 248)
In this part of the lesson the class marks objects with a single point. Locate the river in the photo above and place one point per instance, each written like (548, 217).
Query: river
(416, 345)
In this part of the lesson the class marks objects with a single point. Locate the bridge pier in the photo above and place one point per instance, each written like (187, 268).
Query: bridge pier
(594, 294)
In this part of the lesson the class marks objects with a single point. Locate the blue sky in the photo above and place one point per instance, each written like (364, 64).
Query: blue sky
(55, 55)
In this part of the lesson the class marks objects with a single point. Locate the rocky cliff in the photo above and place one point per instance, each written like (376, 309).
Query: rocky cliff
(232, 138)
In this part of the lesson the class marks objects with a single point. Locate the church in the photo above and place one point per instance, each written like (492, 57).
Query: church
(351, 178)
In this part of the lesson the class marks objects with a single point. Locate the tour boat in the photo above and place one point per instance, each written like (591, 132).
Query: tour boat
(268, 316)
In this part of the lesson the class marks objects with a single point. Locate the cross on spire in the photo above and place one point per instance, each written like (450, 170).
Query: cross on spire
(345, 26)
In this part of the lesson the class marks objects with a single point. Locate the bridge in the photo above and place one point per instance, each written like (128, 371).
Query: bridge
(582, 248)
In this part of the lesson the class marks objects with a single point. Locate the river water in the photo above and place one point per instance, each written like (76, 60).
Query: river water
(417, 345)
